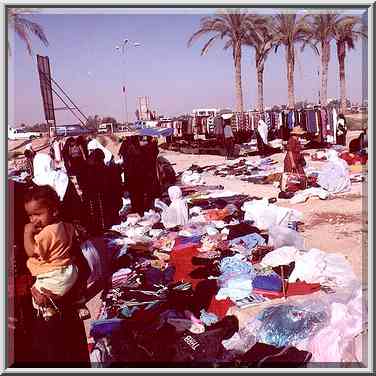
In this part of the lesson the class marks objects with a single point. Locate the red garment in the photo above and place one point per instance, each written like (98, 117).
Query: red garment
(182, 261)
(220, 307)
(352, 158)
(293, 146)
(292, 289)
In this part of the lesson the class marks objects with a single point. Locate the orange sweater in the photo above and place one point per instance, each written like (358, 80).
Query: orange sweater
(52, 245)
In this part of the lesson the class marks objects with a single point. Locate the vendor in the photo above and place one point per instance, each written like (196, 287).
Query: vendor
(294, 160)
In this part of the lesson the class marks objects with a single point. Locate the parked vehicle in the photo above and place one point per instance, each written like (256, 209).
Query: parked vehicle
(20, 134)
(71, 130)
(104, 127)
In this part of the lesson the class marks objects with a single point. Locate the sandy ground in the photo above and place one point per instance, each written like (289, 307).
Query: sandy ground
(337, 225)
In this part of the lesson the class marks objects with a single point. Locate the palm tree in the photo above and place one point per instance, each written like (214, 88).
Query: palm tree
(231, 26)
(288, 29)
(259, 37)
(24, 28)
(346, 32)
(323, 31)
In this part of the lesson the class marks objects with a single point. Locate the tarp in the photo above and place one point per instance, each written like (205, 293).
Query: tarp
(156, 132)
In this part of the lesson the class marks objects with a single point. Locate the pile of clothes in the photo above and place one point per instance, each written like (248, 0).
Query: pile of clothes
(216, 279)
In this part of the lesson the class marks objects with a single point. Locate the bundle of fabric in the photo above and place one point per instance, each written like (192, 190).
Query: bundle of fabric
(335, 176)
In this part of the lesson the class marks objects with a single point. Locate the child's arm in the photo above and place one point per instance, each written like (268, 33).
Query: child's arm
(29, 242)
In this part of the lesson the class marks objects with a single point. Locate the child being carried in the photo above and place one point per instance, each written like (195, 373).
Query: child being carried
(49, 243)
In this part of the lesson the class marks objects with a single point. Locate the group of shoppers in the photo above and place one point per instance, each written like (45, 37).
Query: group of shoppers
(141, 171)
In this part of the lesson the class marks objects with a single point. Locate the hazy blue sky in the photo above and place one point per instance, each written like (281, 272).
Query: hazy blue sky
(84, 61)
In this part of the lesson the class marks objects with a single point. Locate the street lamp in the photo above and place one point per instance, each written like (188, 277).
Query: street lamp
(126, 43)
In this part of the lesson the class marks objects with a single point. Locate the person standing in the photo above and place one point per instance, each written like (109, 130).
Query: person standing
(341, 130)
(262, 137)
(151, 179)
(229, 140)
(135, 175)
(102, 193)
(294, 160)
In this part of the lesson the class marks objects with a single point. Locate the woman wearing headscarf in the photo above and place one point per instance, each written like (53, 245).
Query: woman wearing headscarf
(294, 160)
(151, 175)
(74, 159)
(341, 130)
(95, 144)
(262, 137)
(135, 175)
(102, 193)
(45, 174)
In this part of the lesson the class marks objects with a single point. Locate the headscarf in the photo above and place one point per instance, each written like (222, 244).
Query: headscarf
(177, 212)
(263, 130)
(94, 144)
(44, 174)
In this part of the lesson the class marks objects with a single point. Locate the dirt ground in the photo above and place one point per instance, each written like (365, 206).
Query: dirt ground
(337, 225)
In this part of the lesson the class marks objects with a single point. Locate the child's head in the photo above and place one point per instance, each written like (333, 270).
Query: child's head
(42, 205)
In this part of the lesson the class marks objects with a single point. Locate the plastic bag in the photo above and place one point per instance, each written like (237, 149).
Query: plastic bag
(289, 324)
(265, 215)
(177, 213)
(280, 236)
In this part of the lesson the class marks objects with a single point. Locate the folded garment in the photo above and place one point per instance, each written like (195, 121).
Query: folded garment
(291, 289)
(268, 282)
(262, 355)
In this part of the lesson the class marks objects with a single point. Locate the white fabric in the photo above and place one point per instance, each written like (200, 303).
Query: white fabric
(265, 215)
(191, 178)
(302, 196)
(29, 146)
(57, 151)
(227, 130)
(280, 256)
(335, 176)
(58, 281)
(44, 174)
(316, 266)
(330, 343)
(281, 236)
(94, 144)
(263, 130)
(177, 213)
(334, 125)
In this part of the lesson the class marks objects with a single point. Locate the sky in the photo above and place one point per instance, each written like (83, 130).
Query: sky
(85, 62)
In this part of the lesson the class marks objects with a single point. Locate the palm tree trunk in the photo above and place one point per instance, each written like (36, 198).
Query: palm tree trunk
(290, 63)
(325, 56)
(238, 78)
(260, 84)
(341, 52)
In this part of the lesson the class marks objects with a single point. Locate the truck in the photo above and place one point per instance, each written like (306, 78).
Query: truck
(20, 134)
